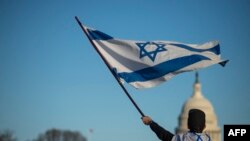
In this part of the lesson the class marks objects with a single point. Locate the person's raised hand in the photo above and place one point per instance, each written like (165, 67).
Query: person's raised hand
(146, 120)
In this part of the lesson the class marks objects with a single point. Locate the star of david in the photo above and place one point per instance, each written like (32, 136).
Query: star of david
(151, 54)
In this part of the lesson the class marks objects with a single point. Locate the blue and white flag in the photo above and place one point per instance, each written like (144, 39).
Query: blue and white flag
(145, 64)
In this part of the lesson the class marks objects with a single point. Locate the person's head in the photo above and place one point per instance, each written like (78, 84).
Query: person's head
(196, 120)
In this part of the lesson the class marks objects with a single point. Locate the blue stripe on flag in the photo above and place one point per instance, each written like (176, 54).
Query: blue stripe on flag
(161, 69)
(215, 49)
(98, 35)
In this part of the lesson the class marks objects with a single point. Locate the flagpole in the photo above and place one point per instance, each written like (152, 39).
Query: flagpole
(110, 69)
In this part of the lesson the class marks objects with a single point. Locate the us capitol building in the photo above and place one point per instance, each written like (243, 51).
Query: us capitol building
(198, 101)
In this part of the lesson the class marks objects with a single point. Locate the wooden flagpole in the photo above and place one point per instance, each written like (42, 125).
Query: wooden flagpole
(109, 67)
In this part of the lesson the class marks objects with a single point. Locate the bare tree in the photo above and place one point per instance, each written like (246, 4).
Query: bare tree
(7, 135)
(60, 135)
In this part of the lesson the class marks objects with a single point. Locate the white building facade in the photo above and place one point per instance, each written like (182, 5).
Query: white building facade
(198, 101)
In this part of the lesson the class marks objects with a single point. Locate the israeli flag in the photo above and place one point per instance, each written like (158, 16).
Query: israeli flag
(145, 64)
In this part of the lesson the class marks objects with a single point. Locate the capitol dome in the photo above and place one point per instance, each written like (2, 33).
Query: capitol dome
(198, 101)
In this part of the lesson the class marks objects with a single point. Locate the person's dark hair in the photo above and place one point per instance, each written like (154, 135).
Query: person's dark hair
(196, 120)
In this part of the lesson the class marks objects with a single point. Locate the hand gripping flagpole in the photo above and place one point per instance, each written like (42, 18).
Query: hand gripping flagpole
(111, 70)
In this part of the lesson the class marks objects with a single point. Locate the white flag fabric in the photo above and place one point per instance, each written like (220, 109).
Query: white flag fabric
(145, 64)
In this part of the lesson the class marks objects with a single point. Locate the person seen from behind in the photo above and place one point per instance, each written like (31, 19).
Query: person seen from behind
(196, 125)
